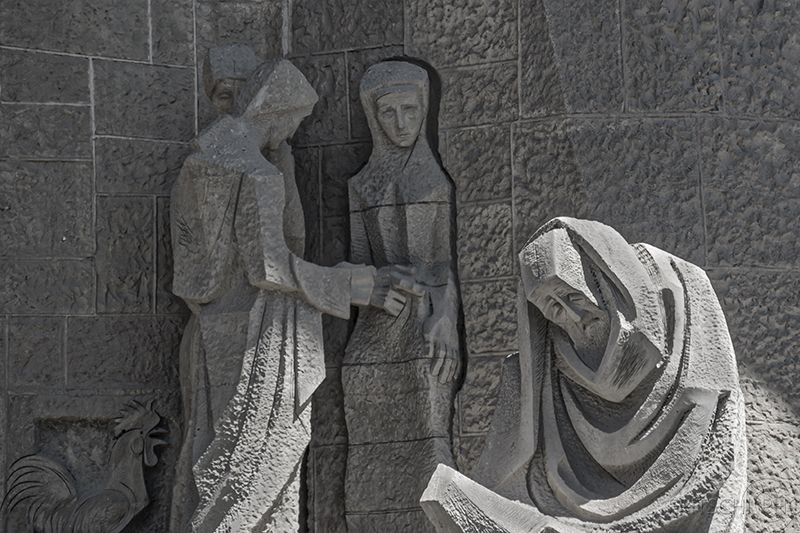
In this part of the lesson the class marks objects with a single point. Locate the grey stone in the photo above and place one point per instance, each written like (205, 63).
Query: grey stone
(173, 31)
(125, 254)
(256, 24)
(490, 315)
(478, 397)
(92, 27)
(135, 351)
(463, 33)
(35, 77)
(541, 91)
(225, 69)
(46, 209)
(144, 101)
(137, 167)
(336, 332)
(307, 176)
(326, 505)
(479, 95)
(467, 451)
(328, 76)
(672, 56)
(485, 241)
(166, 301)
(479, 160)
(341, 24)
(47, 287)
(328, 426)
(339, 163)
(36, 352)
(45, 132)
(357, 63)
(390, 521)
(335, 240)
(751, 184)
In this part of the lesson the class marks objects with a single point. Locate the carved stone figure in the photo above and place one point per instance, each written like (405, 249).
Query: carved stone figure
(225, 70)
(399, 374)
(622, 412)
(252, 354)
(46, 492)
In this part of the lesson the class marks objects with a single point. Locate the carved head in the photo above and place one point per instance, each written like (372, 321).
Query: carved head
(395, 98)
(225, 71)
(275, 99)
(139, 424)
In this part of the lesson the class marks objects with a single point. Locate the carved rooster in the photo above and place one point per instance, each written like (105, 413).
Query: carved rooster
(47, 490)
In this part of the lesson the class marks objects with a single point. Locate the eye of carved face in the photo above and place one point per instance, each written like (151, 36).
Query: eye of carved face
(224, 96)
(400, 115)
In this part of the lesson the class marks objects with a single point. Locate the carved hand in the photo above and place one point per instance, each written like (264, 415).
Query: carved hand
(392, 288)
(440, 332)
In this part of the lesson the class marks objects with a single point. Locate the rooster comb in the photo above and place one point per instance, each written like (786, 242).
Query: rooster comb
(136, 416)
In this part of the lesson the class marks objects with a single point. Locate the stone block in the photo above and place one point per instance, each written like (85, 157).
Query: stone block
(671, 56)
(465, 32)
(490, 316)
(396, 464)
(485, 247)
(173, 31)
(772, 502)
(336, 332)
(329, 121)
(35, 352)
(45, 132)
(166, 302)
(123, 351)
(46, 209)
(257, 24)
(541, 92)
(144, 101)
(306, 173)
(47, 287)
(326, 470)
(761, 57)
(478, 395)
(335, 240)
(479, 160)
(339, 164)
(137, 167)
(479, 95)
(125, 254)
(586, 50)
(328, 425)
(751, 182)
(93, 27)
(467, 452)
(341, 24)
(35, 77)
(415, 521)
(358, 62)
(763, 316)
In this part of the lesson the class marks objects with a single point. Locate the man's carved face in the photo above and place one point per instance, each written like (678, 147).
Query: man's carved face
(224, 96)
(400, 115)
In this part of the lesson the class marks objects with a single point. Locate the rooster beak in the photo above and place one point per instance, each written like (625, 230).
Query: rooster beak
(151, 459)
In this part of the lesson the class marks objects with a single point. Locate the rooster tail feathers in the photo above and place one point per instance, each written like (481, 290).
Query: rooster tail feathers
(41, 486)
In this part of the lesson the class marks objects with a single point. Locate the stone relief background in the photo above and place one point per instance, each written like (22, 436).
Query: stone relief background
(676, 122)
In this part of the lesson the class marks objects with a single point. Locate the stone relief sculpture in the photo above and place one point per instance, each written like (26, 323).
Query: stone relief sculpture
(399, 373)
(251, 355)
(622, 411)
(225, 70)
(45, 490)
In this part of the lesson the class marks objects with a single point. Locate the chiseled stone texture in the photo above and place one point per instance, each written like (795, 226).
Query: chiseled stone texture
(490, 316)
(473, 96)
(335, 240)
(415, 521)
(306, 175)
(540, 80)
(144, 100)
(467, 451)
(357, 64)
(485, 247)
(137, 167)
(257, 24)
(45, 209)
(343, 24)
(671, 55)
(45, 132)
(326, 471)
(464, 32)
(751, 176)
(93, 27)
(36, 77)
(124, 258)
(47, 287)
(166, 302)
(478, 395)
(328, 121)
(35, 352)
(340, 163)
(479, 160)
(327, 414)
(173, 31)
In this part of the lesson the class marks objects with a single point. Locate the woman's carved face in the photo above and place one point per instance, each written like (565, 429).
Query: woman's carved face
(400, 114)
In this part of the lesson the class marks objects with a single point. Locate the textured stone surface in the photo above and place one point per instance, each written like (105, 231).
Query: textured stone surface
(478, 395)
(490, 315)
(45, 209)
(166, 302)
(138, 167)
(47, 287)
(465, 32)
(761, 57)
(772, 496)
(35, 77)
(399, 521)
(46, 132)
(35, 354)
(484, 241)
(92, 27)
(327, 413)
(467, 451)
(540, 82)
(124, 258)
(479, 95)
(173, 31)
(256, 24)
(340, 163)
(123, 351)
(357, 63)
(306, 175)
(340, 24)
(144, 101)
(328, 76)
(672, 56)
(326, 473)
(479, 161)
(751, 180)
(335, 240)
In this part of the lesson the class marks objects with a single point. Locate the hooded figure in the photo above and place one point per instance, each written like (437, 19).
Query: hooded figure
(251, 355)
(622, 411)
(401, 369)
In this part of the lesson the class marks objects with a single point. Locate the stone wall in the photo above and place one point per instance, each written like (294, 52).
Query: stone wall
(675, 122)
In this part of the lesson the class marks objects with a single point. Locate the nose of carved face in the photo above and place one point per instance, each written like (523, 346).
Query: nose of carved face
(224, 96)
(400, 116)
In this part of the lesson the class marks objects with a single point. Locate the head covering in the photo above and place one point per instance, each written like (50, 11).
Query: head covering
(227, 61)
(275, 87)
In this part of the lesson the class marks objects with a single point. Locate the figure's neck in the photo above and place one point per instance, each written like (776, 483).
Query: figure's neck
(127, 470)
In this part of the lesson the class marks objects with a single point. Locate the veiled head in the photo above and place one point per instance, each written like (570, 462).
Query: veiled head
(225, 70)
